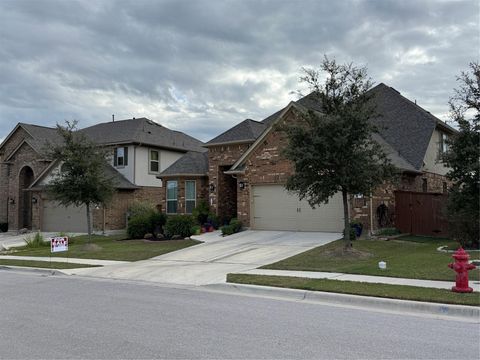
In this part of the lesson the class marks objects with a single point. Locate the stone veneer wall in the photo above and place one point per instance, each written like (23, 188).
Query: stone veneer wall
(218, 157)
(9, 175)
(385, 194)
(115, 212)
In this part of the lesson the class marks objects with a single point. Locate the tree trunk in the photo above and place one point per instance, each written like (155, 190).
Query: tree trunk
(89, 223)
(346, 233)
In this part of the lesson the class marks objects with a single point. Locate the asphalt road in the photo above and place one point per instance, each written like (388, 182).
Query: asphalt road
(65, 317)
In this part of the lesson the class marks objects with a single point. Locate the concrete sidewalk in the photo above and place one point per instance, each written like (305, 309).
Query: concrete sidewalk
(360, 278)
(64, 259)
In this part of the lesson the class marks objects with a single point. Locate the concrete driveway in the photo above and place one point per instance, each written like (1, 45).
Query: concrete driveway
(210, 262)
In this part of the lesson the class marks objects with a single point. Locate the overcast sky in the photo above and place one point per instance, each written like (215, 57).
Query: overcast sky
(203, 66)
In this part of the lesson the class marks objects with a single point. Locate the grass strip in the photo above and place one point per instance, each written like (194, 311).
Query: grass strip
(110, 248)
(411, 257)
(401, 292)
(43, 264)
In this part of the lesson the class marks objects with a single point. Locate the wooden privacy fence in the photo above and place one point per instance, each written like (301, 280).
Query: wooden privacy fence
(421, 213)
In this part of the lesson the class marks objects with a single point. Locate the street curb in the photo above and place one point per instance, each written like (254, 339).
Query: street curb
(449, 311)
(32, 270)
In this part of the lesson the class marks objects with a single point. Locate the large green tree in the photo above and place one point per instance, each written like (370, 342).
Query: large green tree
(463, 158)
(81, 179)
(333, 149)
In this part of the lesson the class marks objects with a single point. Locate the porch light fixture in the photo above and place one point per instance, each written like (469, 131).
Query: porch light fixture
(34, 200)
(241, 185)
(212, 187)
(11, 201)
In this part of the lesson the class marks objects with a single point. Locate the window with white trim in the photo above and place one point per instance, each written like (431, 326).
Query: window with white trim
(154, 161)
(190, 196)
(120, 157)
(172, 197)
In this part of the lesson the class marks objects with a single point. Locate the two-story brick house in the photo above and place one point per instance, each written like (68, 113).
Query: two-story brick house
(141, 150)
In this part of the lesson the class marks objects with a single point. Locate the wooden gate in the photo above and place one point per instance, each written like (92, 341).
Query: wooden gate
(421, 213)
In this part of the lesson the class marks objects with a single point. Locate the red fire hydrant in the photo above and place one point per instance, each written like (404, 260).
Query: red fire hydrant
(461, 267)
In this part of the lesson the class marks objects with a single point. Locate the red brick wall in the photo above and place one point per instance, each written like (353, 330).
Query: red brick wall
(385, 194)
(9, 176)
(219, 158)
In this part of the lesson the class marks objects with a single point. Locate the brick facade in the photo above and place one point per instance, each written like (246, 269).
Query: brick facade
(14, 201)
(385, 194)
(220, 158)
(266, 165)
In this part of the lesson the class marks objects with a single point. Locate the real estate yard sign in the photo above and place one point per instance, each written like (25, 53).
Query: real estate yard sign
(58, 244)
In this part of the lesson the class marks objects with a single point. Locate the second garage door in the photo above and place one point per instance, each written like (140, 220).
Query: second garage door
(61, 218)
(275, 209)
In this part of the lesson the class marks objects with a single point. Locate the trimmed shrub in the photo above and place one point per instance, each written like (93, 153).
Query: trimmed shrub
(232, 228)
(138, 226)
(179, 225)
(157, 221)
(3, 227)
(213, 220)
(140, 208)
(201, 212)
(196, 230)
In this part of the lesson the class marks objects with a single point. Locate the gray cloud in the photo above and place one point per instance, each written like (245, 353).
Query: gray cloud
(202, 66)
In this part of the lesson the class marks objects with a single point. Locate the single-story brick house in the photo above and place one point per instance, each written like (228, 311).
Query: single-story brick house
(246, 170)
(241, 172)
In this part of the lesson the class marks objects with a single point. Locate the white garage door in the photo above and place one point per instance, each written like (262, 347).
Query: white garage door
(276, 209)
(61, 218)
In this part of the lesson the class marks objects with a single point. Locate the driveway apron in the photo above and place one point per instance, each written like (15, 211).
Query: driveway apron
(210, 262)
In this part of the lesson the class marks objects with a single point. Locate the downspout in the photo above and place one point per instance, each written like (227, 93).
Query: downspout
(104, 222)
(371, 214)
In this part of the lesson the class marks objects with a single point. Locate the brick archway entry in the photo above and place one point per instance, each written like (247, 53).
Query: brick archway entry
(25, 179)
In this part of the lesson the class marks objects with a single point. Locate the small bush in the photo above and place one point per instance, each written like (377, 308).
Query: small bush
(36, 241)
(3, 227)
(201, 212)
(213, 220)
(141, 208)
(138, 226)
(232, 228)
(227, 230)
(179, 225)
(196, 230)
(353, 234)
(387, 232)
(157, 221)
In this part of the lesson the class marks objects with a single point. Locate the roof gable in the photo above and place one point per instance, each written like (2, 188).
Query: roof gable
(246, 131)
(192, 163)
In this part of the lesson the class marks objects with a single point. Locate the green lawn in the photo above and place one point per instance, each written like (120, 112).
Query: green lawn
(111, 248)
(42, 264)
(407, 257)
(357, 288)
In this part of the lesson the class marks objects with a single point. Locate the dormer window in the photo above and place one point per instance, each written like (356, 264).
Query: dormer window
(120, 157)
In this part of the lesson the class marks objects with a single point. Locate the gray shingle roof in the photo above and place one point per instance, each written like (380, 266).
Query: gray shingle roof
(405, 126)
(41, 136)
(192, 163)
(247, 130)
(142, 131)
(119, 181)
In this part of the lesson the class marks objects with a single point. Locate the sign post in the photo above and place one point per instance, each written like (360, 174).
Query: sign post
(58, 244)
